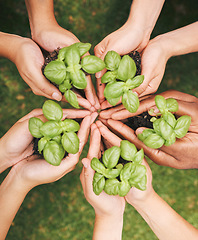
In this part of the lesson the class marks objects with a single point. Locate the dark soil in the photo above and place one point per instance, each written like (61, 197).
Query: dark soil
(142, 120)
(135, 55)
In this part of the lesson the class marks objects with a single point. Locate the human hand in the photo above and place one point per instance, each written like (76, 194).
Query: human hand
(16, 144)
(33, 170)
(104, 204)
(182, 154)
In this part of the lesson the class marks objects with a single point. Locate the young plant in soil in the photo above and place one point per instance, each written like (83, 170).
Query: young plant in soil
(56, 137)
(119, 169)
(69, 69)
(166, 128)
(120, 79)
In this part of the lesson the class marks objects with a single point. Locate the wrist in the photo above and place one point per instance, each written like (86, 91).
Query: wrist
(108, 227)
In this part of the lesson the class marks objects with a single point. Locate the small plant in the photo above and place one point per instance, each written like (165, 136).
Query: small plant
(120, 79)
(166, 128)
(119, 170)
(68, 70)
(56, 136)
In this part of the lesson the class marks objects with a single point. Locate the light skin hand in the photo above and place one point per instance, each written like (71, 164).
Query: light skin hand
(179, 155)
(16, 144)
(108, 209)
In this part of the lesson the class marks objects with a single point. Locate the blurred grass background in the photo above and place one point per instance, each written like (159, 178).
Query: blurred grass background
(59, 210)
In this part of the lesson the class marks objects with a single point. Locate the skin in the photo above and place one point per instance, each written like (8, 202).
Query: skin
(49, 35)
(108, 209)
(13, 151)
(32, 170)
(162, 219)
(180, 155)
(133, 35)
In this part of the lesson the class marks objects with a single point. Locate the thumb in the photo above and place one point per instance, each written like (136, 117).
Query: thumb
(87, 177)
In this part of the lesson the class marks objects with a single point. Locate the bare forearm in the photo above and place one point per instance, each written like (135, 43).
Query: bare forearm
(164, 221)
(11, 198)
(144, 14)
(108, 228)
(40, 12)
(181, 41)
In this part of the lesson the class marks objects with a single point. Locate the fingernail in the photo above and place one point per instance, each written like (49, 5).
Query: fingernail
(156, 110)
(84, 164)
(57, 96)
(98, 75)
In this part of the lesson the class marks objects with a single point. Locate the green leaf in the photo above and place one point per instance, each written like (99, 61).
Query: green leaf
(79, 80)
(171, 140)
(52, 110)
(156, 126)
(127, 68)
(70, 125)
(135, 82)
(113, 90)
(124, 188)
(112, 60)
(169, 118)
(126, 171)
(130, 101)
(34, 127)
(182, 126)
(98, 183)
(160, 103)
(111, 173)
(139, 171)
(61, 54)
(57, 139)
(112, 186)
(72, 56)
(83, 47)
(139, 156)
(70, 142)
(141, 184)
(128, 150)
(53, 153)
(51, 129)
(41, 144)
(92, 64)
(113, 101)
(165, 129)
(111, 156)
(97, 166)
(154, 141)
(146, 132)
(65, 85)
(172, 105)
(109, 77)
(55, 71)
(71, 98)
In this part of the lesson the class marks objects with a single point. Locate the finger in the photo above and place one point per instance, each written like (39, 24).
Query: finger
(145, 105)
(106, 104)
(179, 96)
(33, 113)
(102, 72)
(95, 139)
(87, 176)
(83, 132)
(108, 135)
(91, 94)
(93, 117)
(73, 113)
(106, 114)
(100, 90)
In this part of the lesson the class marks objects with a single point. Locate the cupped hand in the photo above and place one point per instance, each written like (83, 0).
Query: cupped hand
(180, 155)
(34, 171)
(104, 204)
(16, 144)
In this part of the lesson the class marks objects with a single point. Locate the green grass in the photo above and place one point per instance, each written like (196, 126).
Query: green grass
(59, 210)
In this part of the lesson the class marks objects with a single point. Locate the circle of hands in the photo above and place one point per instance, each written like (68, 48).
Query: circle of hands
(17, 147)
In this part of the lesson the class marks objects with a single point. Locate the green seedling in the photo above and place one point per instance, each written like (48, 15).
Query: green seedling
(166, 128)
(120, 79)
(56, 136)
(116, 178)
(69, 69)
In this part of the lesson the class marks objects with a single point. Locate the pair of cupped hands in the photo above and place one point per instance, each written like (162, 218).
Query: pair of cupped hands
(16, 145)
